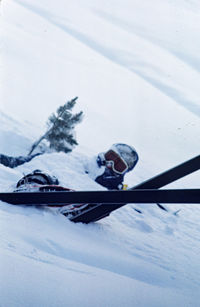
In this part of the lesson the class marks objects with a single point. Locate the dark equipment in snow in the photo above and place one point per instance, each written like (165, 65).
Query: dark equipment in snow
(38, 177)
(101, 203)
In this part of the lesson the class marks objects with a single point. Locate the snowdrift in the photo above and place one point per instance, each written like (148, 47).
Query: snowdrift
(135, 67)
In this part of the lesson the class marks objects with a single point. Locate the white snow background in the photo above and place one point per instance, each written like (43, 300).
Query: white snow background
(135, 66)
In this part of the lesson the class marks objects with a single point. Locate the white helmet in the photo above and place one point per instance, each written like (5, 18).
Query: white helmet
(127, 153)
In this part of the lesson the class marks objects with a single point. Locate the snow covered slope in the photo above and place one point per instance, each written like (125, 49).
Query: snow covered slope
(136, 69)
(133, 88)
(125, 259)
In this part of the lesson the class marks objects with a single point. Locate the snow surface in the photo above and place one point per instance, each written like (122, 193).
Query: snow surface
(135, 67)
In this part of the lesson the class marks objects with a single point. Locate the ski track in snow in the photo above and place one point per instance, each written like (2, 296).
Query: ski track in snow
(127, 60)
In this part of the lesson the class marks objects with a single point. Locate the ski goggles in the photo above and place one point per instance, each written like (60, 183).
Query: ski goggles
(117, 163)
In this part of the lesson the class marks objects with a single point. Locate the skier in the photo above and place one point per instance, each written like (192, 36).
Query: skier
(110, 167)
(107, 169)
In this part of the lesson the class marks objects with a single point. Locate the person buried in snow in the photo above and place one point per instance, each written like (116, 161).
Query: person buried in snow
(107, 169)
(110, 167)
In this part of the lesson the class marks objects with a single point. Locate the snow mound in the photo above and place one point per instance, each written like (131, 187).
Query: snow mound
(137, 76)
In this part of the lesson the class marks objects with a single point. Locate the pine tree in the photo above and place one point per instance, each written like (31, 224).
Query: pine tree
(60, 134)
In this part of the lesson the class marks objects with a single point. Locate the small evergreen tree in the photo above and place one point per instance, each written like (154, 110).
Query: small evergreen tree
(60, 134)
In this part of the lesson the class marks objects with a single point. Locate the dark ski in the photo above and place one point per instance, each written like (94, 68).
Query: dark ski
(109, 198)
(102, 210)
(102, 203)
